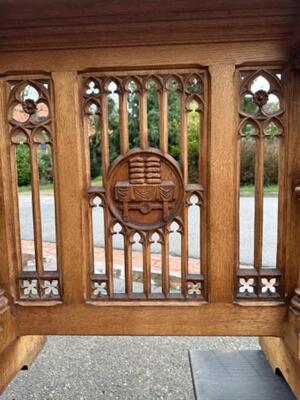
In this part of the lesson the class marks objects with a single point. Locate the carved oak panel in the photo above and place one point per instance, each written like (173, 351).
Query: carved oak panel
(145, 189)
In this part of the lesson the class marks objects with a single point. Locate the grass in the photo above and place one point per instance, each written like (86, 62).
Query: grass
(48, 187)
(248, 190)
(45, 187)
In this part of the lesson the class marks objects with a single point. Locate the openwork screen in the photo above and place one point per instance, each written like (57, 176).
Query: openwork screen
(261, 136)
(31, 136)
(147, 145)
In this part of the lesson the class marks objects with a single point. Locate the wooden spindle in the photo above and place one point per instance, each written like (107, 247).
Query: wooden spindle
(146, 268)
(165, 263)
(36, 209)
(123, 113)
(143, 120)
(184, 250)
(104, 137)
(128, 265)
(259, 203)
(109, 260)
(163, 119)
(183, 138)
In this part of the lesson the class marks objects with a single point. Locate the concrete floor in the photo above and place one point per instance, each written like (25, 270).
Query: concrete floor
(124, 368)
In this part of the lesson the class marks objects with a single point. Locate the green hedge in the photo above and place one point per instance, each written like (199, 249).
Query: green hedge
(23, 165)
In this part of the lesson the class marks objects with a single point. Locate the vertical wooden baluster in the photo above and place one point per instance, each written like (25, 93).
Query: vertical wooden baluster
(128, 264)
(109, 257)
(104, 137)
(91, 246)
(123, 113)
(184, 248)
(143, 119)
(36, 208)
(16, 208)
(203, 177)
(107, 217)
(184, 167)
(147, 265)
(183, 137)
(163, 119)
(259, 202)
(165, 262)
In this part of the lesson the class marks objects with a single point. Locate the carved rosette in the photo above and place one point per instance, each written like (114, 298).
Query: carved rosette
(145, 189)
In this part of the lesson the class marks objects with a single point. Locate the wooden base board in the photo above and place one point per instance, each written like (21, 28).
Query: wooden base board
(280, 358)
(21, 352)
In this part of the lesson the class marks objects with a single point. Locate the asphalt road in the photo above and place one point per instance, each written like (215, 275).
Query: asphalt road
(246, 228)
(118, 368)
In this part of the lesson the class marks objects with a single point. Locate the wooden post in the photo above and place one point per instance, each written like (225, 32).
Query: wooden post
(293, 243)
(221, 237)
(70, 185)
(22, 352)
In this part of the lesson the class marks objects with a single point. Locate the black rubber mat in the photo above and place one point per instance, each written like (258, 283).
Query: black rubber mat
(237, 375)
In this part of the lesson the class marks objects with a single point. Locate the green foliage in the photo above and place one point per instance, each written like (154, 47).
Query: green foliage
(45, 166)
(193, 145)
(114, 131)
(248, 152)
(248, 149)
(23, 164)
(174, 124)
(95, 147)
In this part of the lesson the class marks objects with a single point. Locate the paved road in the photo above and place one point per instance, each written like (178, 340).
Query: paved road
(118, 368)
(246, 228)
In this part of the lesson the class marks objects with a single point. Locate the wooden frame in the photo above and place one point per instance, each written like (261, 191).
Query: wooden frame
(100, 84)
(204, 38)
(218, 40)
(258, 122)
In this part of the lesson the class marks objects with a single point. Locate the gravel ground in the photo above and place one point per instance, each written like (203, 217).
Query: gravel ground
(124, 368)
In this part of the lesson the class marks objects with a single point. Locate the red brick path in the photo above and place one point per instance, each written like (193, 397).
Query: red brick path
(49, 254)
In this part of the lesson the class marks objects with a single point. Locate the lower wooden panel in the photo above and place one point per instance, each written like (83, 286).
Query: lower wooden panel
(213, 319)
(279, 357)
(7, 328)
(20, 352)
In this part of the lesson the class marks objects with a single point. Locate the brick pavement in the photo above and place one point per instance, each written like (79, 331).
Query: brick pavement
(49, 254)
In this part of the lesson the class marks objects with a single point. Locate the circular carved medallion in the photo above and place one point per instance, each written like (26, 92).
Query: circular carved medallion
(145, 189)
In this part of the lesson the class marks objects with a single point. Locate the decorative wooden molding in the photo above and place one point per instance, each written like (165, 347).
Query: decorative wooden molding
(126, 23)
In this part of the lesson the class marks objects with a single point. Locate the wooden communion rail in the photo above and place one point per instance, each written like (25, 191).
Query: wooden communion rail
(120, 88)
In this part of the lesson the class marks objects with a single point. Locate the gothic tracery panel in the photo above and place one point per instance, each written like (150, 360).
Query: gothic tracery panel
(31, 137)
(261, 135)
(147, 144)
